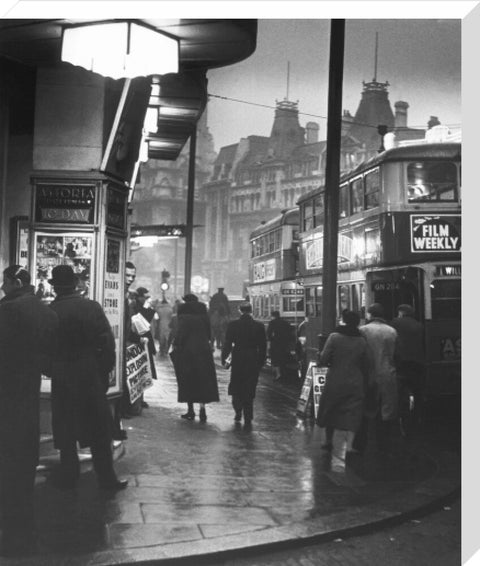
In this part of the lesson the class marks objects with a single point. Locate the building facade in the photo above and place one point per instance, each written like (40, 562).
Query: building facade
(160, 197)
(258, 177)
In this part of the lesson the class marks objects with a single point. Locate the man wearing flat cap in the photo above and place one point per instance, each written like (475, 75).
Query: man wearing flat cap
(80, 411)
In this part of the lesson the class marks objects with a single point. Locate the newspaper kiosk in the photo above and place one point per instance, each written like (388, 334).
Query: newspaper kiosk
(82, 221)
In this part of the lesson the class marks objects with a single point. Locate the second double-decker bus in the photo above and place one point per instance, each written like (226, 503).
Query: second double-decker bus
(399, 241)
(273, 267)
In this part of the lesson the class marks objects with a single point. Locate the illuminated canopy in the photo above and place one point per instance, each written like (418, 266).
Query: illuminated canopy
(120, 49)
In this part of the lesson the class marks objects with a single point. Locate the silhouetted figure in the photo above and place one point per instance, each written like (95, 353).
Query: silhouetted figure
(219, 311)
(279, 335)
(382, 393)
(165, 314)
(84, 358)
(192, 357)
(246, 342)
(410, 358)
(342, 399)
(28, 334)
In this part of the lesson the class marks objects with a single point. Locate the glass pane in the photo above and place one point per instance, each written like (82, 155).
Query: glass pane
(372, 189)
(357, 195)
(343, 202)
(319, 212)
(432, 181)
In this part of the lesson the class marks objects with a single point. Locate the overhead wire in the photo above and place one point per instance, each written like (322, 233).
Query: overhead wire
(318, 116)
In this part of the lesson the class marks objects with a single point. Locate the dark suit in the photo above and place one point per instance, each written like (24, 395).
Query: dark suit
(28, 333)
(245, 339)
(80, 412)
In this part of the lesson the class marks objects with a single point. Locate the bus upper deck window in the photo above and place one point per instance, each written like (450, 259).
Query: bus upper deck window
(357, 195)
(432, 181)
(372, 189)
(343, 202)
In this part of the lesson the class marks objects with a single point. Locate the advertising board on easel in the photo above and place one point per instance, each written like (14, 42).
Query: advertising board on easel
(312, 390)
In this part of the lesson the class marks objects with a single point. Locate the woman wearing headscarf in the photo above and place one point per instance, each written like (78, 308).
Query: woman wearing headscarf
(193, 358)
(342, 400)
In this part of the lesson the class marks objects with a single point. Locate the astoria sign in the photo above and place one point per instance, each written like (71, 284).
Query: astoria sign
(70, 204)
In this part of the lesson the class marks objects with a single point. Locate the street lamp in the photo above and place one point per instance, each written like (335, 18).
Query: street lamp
(120, 49)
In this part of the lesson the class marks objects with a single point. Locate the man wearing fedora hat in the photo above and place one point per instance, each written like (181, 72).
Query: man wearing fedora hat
(85, 356)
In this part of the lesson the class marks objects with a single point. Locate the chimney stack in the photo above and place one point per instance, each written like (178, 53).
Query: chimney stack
(401, 108)
(434, 121)
(312, 129)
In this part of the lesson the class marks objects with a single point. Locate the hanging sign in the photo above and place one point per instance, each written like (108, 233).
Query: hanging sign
(65, 203)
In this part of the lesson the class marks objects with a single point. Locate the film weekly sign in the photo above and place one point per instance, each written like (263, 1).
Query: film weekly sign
(139, 373)
(65, 203)
(435, 233)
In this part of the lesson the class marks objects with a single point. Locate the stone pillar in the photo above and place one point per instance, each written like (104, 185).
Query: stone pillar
(69, 120)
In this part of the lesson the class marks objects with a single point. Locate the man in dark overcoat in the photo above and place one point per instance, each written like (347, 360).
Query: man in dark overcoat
(28, 333)
(410, 357)
(246, 341)
(219, 312)
(85, 356)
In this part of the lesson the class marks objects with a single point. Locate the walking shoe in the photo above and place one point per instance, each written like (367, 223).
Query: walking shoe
(189, 416)
(114, 485)
(247, 425)
(120, 435)
(203, 415)
(145, 405)
(238, 417)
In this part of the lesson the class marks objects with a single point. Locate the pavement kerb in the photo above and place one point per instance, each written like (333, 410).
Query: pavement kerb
(424, 498)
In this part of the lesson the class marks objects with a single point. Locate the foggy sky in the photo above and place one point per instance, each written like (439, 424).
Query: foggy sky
(421, 60)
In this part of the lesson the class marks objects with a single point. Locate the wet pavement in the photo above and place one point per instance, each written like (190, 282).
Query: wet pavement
(200, 491)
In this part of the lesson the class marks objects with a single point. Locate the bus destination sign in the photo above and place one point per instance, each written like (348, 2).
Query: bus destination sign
(435, 233)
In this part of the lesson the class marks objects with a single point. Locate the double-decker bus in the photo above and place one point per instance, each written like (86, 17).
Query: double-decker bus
(399, 241)
(273, 267)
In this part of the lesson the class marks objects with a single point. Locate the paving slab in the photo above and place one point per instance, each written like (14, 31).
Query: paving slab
(202, 491)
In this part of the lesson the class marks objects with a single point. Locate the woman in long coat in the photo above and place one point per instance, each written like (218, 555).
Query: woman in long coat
(193, 358)
(342, 400)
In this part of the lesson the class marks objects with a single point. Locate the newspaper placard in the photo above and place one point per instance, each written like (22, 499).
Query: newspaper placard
(312, 389)
(139, 373)
(319, 375)
(305, 392)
